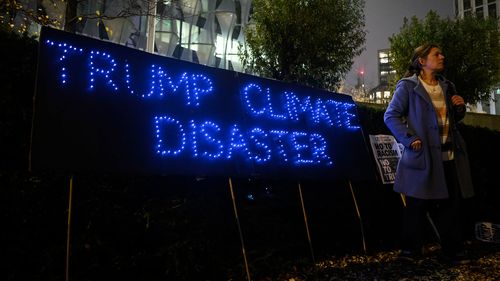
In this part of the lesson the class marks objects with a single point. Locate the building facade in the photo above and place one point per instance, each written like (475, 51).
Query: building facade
(482, 9)
(381, 93)
(202, 31)
(479, 8)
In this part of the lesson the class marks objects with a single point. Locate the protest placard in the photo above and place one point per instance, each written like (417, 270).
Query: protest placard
(387, 153)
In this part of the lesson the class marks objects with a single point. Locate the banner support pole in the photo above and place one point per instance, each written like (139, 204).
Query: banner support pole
(239, 230)
(306, 223)
(403, 199)
(359, 217)
(68, 231)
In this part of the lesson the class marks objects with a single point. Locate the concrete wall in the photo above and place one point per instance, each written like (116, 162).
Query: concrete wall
(489, 121)
(483, 120)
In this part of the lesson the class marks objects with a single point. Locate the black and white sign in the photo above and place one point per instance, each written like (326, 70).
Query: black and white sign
(387, 154)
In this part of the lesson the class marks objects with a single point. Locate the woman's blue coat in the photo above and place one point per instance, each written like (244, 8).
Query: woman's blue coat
(410, 116)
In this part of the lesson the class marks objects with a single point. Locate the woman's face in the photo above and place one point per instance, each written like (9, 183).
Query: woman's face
(434, 60)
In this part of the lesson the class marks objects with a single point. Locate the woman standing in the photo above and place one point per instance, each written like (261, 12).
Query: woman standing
(433, 172)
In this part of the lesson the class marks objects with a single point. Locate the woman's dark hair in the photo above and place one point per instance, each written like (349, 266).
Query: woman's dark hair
(420, 52)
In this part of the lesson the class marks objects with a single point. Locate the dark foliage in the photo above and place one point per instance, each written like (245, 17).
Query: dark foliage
(17, 76)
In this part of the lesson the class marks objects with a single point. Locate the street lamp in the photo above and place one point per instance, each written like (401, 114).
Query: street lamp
(361, 82)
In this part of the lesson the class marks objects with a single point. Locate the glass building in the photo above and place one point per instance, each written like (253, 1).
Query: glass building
(202, 31)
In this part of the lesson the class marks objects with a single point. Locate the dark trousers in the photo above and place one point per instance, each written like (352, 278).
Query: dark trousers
(445, 214)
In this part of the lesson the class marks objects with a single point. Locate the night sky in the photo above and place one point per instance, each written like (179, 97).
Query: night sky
(383, 18)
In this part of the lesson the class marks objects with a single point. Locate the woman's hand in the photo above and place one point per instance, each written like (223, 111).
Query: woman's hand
(416, 145)
(457, 100)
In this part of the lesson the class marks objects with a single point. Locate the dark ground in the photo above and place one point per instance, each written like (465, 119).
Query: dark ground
(485, 266)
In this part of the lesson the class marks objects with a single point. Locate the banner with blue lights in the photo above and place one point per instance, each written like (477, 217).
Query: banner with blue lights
(104, 107)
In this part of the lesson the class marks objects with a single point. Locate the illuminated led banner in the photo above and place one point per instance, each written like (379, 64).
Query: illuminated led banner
(104, 107)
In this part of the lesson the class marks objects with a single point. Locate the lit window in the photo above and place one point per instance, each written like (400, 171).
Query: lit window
(219, 45)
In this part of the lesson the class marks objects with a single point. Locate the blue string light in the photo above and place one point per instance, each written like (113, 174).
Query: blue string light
(262, 151)
(66, 50)
(194, 85)
(280, 141)
(160, 123)
(208, 140)
(98, 70)
(256, 145)
(253, 94)
(207, 129)
(237, 143)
